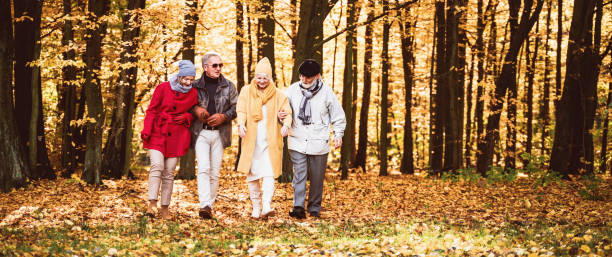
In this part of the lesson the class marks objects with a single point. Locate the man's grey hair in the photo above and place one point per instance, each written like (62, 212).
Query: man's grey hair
(206, 57)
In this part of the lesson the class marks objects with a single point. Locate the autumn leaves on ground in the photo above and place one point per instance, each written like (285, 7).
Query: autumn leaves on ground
(402, 215)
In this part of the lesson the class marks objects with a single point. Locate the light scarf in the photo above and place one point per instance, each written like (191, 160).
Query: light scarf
(175, 84)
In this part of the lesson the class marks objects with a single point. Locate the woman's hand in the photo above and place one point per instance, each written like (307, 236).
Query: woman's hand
(284, 131)
(181, 119)
(242, 131)
(281, 115)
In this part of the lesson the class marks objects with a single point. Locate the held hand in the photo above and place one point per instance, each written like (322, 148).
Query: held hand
(338, 142)
(180, 119)
(216, 119)
(241, 131)
(281, 115)
(284, 131)
(201, 113)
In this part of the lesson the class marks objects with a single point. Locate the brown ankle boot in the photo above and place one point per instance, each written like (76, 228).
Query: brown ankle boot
(165, 213)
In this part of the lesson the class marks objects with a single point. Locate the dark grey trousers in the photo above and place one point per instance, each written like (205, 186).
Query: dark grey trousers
(308, 166)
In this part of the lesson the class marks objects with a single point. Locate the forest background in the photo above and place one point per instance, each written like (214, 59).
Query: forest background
(461, 90)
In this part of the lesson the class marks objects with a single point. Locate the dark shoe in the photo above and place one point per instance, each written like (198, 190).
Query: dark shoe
(298, 212)
(315, 214)
(206, 213)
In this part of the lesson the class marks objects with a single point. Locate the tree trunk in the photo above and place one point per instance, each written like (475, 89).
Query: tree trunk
(558, 63)
(68, 96)
(487, 72)
(507, 79)
(603, 168)
(453, 91)
(118, 152)
(572, 151)
(309, 36)
(361, 156)
(28, 93)
(93, 91)
(468, 123)
(384, 93)
(352, 141)
(407, 164)
(239, 61)
(438, 115)
(14, 165)
(347, 92)
(544, 104)
(265, 43)
(531, 66)
(187, 161)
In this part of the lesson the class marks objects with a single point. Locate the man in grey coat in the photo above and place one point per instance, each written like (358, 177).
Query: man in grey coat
(212, 131)
(315, 110)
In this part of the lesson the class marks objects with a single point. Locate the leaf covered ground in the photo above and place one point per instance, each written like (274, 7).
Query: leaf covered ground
(398, 215)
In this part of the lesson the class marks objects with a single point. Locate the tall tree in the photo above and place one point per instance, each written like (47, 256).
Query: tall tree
(347, 92)
(439, 97)
(93, 90)
(28, 93)
(531, 66)
(572, 151)
(519, 31)
(309, 37)
(68, 97)
(239, 59)
(544, 103)
(265, 43)
(384, 93)
(558, 56)
(187, 161)
(361, 155)
(14, 166)
(118, 151)
(407, 41)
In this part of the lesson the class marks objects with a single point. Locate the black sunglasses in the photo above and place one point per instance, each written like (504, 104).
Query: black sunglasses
(215, 65)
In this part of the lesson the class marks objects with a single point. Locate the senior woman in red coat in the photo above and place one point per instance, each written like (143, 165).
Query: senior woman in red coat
(166, 132)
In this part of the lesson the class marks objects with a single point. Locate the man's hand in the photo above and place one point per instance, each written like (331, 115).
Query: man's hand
(180, 119)
(282, 114)
(338, 142)
(201, 113)
(216, 119)
(284, 131)
(241, 131)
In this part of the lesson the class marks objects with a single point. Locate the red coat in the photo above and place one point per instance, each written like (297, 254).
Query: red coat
(160, 131)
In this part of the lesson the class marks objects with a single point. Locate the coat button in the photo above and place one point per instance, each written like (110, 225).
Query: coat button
(173, 107)
(169, 134)
(177, 94)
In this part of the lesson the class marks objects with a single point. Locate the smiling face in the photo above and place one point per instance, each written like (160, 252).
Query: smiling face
(186, 80)
(262, 80)
(213, 67)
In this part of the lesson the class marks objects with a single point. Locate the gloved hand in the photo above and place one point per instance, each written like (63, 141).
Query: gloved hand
(201, 113)
(216, 119)
(181, 119)
(284, 131)
(242, 131)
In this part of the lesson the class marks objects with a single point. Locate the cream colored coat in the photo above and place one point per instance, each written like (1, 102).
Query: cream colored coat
(273, 126)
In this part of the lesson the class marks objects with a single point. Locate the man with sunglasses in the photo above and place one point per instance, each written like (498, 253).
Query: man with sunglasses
(212, 131)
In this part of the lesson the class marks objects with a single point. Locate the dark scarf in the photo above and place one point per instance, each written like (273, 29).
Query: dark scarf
(305, 113)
